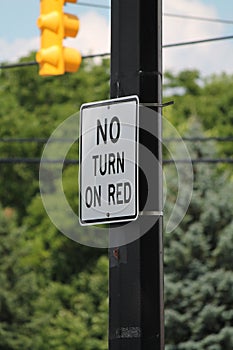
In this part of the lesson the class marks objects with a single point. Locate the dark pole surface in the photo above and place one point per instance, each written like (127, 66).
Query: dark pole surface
(136, 269)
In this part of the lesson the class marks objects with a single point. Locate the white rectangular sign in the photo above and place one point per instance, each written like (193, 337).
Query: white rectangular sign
(109, 161)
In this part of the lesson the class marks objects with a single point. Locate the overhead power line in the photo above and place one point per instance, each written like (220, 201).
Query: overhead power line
(18, 65)
(36, 161)
(34, 63)
(199, 160)
(166, 14)
(87, 4)
(34, 140)
(194, 42)
(44, 140)
(200, 139)
(185, 43)
(75, 161)
(96, 55)
(199, 18)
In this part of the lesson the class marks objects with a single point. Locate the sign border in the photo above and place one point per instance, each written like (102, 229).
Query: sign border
(119, 219)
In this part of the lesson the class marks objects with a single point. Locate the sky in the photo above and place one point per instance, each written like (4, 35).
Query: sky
(19, 34)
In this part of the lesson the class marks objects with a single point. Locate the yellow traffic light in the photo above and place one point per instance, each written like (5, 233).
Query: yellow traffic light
(53, 58)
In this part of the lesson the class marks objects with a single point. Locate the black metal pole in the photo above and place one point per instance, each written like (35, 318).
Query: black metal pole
(136, 269)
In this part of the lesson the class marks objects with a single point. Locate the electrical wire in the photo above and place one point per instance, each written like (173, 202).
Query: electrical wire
(185, 43)
(198, 41)
(87, 4)
(75, 161)
(166, 14)
(36, 161)
(34, 140)
(44, 140)
(18, 65)
(199, 160)
(96, 55)
(34, 63)
(199, 139)
(198, 18)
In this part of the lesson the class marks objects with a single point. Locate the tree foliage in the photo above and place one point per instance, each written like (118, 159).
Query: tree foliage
(198, 265)
(41, 309)
(53, 291)
(209, 100)
(32, 107)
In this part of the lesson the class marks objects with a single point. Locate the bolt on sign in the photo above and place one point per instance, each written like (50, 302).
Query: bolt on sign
(108, 172)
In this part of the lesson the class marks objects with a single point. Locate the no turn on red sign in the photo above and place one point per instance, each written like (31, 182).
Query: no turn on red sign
(108, 172)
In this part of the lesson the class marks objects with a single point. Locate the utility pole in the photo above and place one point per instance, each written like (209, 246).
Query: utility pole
(136, 269)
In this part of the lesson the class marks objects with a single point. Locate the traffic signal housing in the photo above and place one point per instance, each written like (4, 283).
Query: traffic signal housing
(55, 25)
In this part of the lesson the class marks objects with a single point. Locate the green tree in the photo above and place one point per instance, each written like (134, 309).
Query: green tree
(53, 291)
(18, 286)
(207, 99)
(44, 305)
(73, 315)
(32, 107)
(198, 265)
